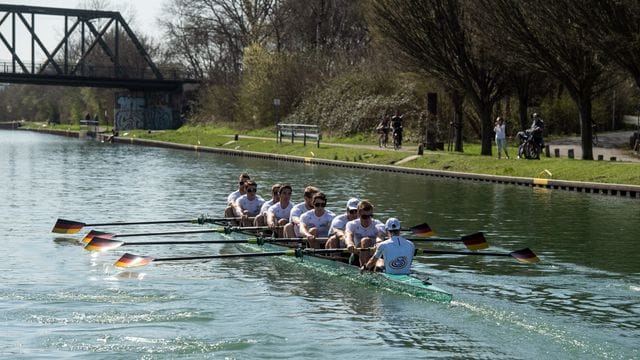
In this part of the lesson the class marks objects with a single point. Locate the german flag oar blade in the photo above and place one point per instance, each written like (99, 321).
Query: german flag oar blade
(525, 256)
(475, 241)
(102, 244)
(63, 226)
(422, 230)
(130, 260)
(95, 233)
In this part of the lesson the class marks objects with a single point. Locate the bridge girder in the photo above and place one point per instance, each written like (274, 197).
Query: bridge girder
(61, 68)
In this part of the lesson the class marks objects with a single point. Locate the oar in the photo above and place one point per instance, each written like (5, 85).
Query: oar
(130, 260)
(226, 230)
(99, 243)
(63, 226)
(475, 241)
(524, 256)
(422, 230)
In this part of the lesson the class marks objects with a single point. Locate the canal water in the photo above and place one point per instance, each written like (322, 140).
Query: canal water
(59, 301)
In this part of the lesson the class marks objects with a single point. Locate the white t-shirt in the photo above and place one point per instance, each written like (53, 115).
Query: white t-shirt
(231, 199)
(500, 132)
(298, 210)
(252, 206)
(339, 222)
(372, 231)
(279, 212)
(397, 253)
(322, 223)
(265, 207)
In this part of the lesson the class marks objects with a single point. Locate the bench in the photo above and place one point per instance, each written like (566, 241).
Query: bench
(303, 131)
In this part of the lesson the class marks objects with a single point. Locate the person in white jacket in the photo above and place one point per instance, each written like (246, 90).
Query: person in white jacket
(501, 138)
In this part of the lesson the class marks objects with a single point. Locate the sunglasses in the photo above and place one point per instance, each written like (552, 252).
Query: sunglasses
(251, 190)
(320, 204)
(355, 211)
(365, 216)
(241, 183)
(285, 193)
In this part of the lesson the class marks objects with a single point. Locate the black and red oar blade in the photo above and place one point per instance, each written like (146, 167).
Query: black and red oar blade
(130, 260)
(63, 226)
(422, 230)
(475, 241)
(102, 244)
(93, 233)
(526, 256)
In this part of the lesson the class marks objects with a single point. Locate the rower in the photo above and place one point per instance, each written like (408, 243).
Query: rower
(278, 214)
(363, 232)
(336, 232)
(315, 223)
(261, 219)
(292, 229)
(397, 252)
(229, 211)
(249, 204)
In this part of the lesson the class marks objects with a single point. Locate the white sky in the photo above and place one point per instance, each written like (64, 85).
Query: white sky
(141, 16)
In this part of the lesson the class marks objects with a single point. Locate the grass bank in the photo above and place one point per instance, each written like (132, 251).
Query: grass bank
(359, 149)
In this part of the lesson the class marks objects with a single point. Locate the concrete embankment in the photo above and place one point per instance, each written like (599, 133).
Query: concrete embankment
(632, 191)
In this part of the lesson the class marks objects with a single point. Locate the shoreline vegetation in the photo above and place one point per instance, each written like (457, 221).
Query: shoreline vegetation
(362, 149)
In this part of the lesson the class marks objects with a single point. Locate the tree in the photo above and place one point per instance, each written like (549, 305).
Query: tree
(542, 34)
(439, 37)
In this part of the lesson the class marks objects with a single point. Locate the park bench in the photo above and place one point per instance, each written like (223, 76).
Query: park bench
(303, 131)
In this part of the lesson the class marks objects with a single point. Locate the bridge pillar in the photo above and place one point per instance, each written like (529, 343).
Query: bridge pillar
(148, 110)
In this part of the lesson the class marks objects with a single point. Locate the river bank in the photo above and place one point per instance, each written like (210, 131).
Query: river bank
(546, 173)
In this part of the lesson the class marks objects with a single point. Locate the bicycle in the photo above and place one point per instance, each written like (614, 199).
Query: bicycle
(529, 147)
(397, 140)
(383, 139)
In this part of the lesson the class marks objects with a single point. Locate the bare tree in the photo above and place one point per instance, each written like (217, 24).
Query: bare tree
(542, 34)
(439, 37)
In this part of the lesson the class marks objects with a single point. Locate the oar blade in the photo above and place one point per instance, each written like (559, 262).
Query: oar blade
(63, 226)
(475, 241)
(99, 243)
(130, 260)
(422, 230)
(95, 233)
(526, 256)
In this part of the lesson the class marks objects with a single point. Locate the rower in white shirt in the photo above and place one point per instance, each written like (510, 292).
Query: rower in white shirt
(315, 223)
(249, 204)
(396, 252)
(261, 219)
(363, 232)
(292, 229)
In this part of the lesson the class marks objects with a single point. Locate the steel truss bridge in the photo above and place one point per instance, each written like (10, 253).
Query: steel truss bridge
(97, 49)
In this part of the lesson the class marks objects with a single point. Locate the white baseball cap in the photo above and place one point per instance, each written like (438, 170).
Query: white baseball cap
(392, 224)
(352, 204)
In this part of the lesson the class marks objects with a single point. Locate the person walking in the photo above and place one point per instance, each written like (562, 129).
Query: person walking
(501, 137)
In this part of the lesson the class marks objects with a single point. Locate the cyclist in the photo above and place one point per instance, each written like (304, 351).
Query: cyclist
(396, 126)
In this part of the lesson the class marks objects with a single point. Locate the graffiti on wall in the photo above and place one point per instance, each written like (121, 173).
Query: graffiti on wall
(152, 112)
(129, 112)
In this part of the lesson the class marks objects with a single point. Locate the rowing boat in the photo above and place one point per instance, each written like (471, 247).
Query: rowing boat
(404, 284)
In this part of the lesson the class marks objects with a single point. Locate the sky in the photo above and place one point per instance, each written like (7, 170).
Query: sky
(141, 16)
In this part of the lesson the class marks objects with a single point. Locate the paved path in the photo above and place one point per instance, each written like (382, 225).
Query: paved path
(609, 144)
